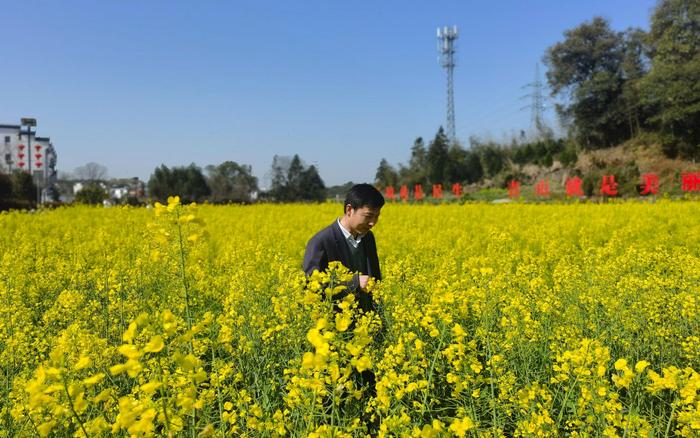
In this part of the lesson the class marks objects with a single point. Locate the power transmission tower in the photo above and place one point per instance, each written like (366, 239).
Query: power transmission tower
(446, 48)
(537, 106)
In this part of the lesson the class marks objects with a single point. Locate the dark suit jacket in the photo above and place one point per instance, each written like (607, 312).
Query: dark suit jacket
(329, 245)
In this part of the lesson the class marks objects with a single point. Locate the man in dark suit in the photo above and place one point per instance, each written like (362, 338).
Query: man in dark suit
(350, 241)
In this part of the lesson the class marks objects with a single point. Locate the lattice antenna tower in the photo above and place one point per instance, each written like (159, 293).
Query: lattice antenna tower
(446, 49)
(537, 106)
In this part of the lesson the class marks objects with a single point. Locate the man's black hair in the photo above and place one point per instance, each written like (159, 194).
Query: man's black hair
(363, 195)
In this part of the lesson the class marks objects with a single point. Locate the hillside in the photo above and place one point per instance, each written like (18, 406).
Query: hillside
(628, 162)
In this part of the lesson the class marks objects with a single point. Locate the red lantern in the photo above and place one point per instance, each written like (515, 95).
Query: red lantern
(21, 164)
(38, 155)
(20, 155)
(38, 147)
(20, 147)
(38, 164)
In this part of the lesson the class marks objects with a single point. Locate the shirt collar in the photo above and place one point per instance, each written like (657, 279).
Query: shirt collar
(347, 234)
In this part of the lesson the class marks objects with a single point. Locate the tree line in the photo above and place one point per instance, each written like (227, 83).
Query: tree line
(615, 85)
(17, 190)
(291, 180)
(442, 162)
(611, 86)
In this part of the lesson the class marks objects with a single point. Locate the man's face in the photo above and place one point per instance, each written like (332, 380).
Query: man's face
(362, 219)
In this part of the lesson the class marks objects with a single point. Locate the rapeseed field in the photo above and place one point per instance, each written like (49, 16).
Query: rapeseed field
(494, 320)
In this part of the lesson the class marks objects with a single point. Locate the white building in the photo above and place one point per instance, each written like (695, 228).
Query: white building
(22, 152)
(119, 193)
(9, 140)
(118, 190)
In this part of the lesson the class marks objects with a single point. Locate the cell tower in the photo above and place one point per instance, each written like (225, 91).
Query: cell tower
(446, 48)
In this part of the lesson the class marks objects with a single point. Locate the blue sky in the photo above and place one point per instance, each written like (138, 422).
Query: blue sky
(135, 84)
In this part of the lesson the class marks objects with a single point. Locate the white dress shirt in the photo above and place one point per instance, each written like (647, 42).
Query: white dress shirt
(354, 241)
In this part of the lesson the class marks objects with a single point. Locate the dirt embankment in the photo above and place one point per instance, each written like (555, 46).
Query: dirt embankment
(646, 158)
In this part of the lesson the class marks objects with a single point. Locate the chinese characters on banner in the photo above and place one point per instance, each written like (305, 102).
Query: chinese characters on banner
(514, 189)
(418, 192)
(542, 188)
(457, 189)
(390, 193)
(650, 185)
(403, 193)
(573, 186)
(608, 186)
(690, 182)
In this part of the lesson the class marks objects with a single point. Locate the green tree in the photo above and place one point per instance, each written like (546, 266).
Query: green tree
(23, 188)
(161, 184)
(339, 191)
(568, 156)
(672, 86)
(524, 154)
(586, 70)
(195, 184)
(5, 188)
(187, 182)
(492, 158)
(634, 66)
(53, 194)
(91, 194)
(293, 181)
(386, 174)
(456, 164)
(417, 170)
(313, 188)
(473, 170)
(278, 177)
(231, 182)
(436, 158)
(405, 175)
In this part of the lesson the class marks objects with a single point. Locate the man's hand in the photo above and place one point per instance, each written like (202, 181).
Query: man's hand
(364, 279)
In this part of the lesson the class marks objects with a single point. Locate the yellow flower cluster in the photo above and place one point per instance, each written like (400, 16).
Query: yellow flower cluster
(493, 320)
(326, 382)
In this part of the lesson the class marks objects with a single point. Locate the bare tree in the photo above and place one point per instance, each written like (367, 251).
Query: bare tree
(230, 181)
(91, 172)
(65, 175)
